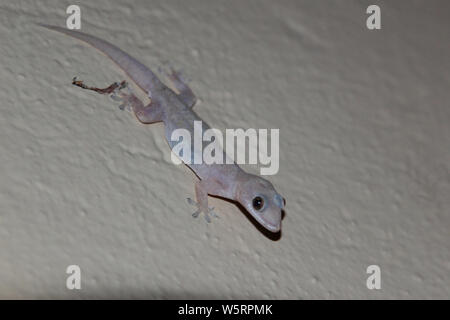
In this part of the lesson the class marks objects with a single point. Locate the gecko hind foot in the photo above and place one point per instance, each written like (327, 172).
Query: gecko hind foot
(120, 96)
(209, 212)
(178, 80)
(110, 89)
(115, 91)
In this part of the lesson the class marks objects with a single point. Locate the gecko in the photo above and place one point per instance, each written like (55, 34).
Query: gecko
(256, 194)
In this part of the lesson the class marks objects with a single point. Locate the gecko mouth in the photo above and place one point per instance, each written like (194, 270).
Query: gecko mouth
(273, 227)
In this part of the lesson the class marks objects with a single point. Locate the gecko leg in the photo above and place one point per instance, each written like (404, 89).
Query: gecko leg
(186, 94)
(202, 201)
(112, 88)
(146, 114)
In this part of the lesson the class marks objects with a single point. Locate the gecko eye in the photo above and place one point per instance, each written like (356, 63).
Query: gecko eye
(258, 203)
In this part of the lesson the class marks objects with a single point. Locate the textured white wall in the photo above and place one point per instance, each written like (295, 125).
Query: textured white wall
(365, 151)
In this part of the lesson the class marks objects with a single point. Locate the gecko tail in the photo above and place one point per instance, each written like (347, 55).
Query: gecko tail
(139, 73)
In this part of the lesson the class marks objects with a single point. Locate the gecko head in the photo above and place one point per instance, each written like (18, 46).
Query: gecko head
(261, 200)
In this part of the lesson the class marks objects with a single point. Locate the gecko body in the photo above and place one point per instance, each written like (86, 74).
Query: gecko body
(256, 194)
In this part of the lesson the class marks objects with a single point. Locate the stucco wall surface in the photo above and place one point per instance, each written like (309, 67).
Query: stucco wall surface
(364, 151)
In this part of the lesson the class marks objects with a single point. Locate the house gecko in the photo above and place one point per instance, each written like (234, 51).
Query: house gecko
(256, 194)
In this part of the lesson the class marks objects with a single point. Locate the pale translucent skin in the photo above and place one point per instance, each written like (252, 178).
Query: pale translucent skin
(175, 111)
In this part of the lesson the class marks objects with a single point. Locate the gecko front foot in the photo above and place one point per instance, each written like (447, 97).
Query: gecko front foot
(199, 210)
